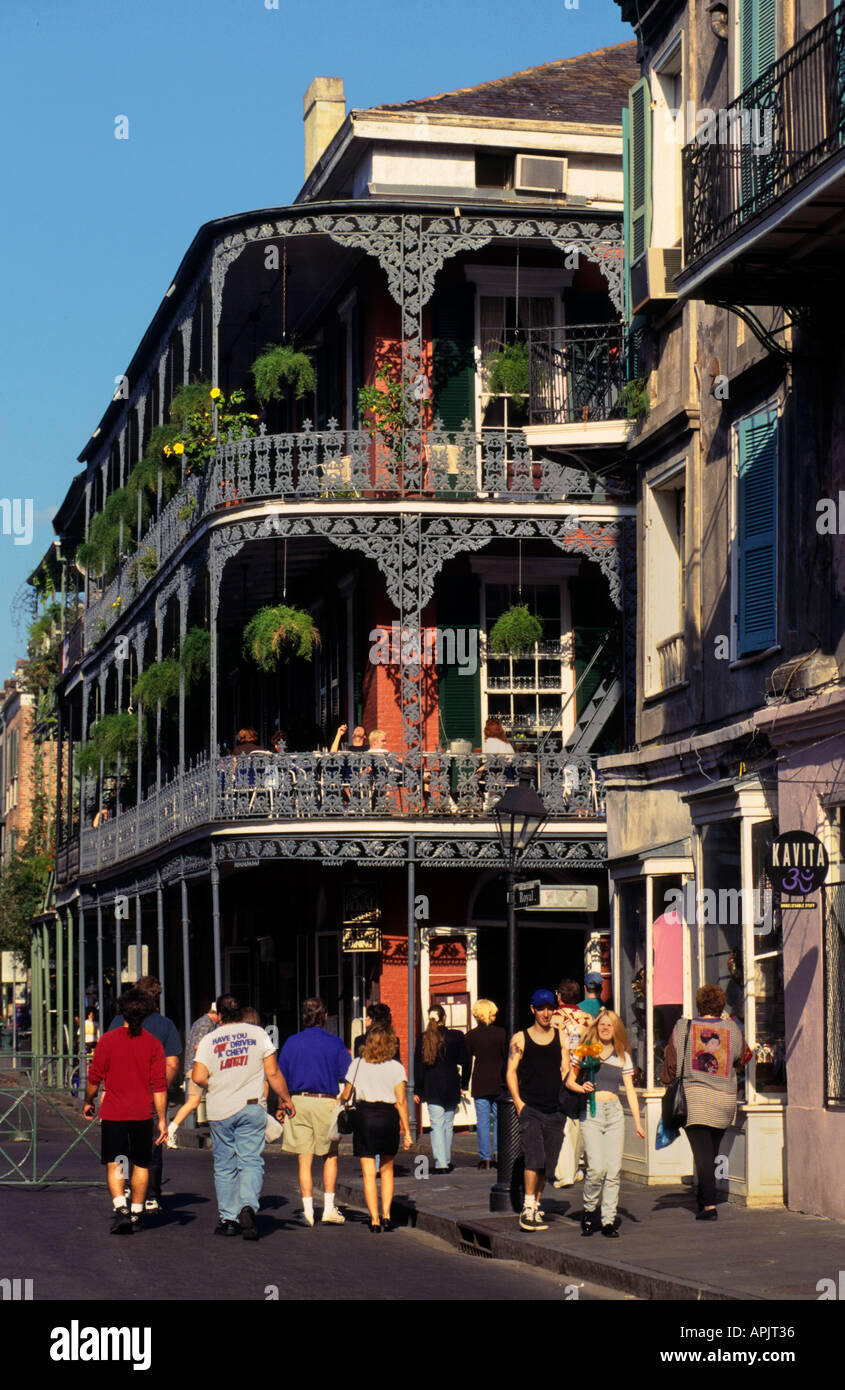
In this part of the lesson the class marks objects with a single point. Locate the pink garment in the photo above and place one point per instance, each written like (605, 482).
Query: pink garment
(668, 981)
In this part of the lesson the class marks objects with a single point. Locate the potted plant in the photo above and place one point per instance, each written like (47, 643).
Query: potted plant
(279, 632)
(636, 400)
(281, 368)
(517, 631)
(159, 683)
(112, 736)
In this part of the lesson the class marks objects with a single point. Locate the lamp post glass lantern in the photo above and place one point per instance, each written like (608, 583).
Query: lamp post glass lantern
(520, 815)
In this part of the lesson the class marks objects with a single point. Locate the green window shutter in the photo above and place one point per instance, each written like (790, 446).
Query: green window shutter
(757, 519)
(626, 212)
(459, 696)
(453, 376)
(757, 38)
(639, 124)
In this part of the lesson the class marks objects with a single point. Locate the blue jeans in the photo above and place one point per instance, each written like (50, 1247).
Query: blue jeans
(238, 1162)
(486, 1111)
(442, 1123)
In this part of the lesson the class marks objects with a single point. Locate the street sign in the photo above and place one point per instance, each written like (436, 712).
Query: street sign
(362, 938)
(527, 894)
(557, 897)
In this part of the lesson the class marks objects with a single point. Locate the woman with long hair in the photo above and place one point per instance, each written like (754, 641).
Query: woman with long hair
(441, 1071)
(487, 1046)
(713, 1051)
(603, 1133)
(379, 1082)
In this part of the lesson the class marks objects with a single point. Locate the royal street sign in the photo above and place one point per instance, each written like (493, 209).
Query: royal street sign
(557, 897)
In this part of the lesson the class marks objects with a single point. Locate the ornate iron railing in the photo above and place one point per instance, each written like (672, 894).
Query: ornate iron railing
(345, 786)
(577, 374)
(762, 146)
(347, 467)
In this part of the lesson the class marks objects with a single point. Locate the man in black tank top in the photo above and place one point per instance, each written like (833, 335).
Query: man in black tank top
(535, 1076)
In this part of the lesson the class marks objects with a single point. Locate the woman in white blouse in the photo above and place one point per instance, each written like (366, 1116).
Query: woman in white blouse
(381, 1102)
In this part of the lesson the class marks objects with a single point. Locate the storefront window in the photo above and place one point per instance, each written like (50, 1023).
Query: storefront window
(770, 1048)
(720, 912)
(632, 964)
(667, 933)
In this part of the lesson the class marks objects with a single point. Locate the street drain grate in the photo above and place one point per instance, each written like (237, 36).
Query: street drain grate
(473, 1243)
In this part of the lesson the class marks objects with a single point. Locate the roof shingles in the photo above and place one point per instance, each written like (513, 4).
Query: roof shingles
(590, 88)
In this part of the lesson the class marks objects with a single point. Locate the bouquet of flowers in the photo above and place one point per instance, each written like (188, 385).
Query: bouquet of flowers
(588, 1055)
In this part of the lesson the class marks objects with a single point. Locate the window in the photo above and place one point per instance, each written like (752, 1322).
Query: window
(517, 310)
(527, 692)
(756, 512)
(12, 770)
(757, 39)
(665, 544)
(638, 190)
(667, 199)
(493, 170)
(769, 1015)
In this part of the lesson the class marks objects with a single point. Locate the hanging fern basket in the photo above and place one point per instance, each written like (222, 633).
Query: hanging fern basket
(277, 633)
(516, 632)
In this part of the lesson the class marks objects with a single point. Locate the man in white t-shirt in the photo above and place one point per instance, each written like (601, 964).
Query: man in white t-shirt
(233, 1062)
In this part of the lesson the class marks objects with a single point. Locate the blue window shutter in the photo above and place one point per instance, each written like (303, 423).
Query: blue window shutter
(757, 520)
(757, 38)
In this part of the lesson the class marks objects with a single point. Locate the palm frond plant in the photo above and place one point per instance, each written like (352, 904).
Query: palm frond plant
(277, 633)
(516, 631)
(112, 736)
(281, 368)
(636, 400)
(195, 654)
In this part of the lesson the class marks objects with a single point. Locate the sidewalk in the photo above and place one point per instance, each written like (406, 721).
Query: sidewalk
(662, 1252)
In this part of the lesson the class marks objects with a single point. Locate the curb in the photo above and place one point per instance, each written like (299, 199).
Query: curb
(474, 1237)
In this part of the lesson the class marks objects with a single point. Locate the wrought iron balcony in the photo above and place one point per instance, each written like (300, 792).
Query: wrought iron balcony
(343, 787)
(767, 145)
(348, 468)
(576, 374)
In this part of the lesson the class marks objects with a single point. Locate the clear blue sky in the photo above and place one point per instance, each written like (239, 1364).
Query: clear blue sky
(94, 227)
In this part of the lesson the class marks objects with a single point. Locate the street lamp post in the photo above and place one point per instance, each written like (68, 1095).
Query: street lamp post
(519, 817)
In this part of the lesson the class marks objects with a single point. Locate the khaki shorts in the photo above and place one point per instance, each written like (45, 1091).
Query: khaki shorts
(307, 1132)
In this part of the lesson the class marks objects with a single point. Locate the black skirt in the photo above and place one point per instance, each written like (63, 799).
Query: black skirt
(376, 1129)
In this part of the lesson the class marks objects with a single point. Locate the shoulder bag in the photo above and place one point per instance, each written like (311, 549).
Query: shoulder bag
(674, 1106)
(348, 1109)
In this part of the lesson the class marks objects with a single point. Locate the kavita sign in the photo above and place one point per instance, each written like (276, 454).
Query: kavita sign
(797, 863)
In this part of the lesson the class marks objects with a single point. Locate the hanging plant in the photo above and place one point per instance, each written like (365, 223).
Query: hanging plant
(276, 633)
(113, 735)
(508, 371)
(636, 400)
(516, 631)
(281, 368)
(195, 656)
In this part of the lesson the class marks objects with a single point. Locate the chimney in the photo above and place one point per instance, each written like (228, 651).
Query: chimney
(323, 111)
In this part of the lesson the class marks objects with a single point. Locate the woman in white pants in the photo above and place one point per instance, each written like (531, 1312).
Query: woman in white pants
(604, 1133)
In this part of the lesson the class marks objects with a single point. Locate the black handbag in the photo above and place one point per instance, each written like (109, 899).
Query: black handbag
(349, 1114)
(674, 1104)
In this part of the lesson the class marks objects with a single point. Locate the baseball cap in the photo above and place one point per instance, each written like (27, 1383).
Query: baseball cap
(593, 978)
(543, 999)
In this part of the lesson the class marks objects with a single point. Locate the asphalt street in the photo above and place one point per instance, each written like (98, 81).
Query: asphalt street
(59, 1237)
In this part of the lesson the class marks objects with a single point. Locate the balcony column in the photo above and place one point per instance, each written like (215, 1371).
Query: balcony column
(183, 628)
(140, 636)
(83, 1060)
(159, 619)
(119, 664)
(35, 1045)
(45, 968)
(101, 790)
(215, 923)
(87, 522)
(139, 968)
(221, 260)
(186, 952)
(100, 1000)
(160, 938)
(83, 738)
(118, 952)
(60, 989)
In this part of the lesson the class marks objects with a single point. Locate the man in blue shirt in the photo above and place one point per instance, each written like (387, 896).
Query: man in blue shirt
(591, 1003)
(168, 1035)
(314, 1063)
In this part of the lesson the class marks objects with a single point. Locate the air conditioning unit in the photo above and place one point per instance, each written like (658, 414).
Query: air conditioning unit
(653, 276)
(537, 173)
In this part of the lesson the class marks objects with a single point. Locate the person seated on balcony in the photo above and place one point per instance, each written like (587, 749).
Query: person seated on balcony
(494, 738)
(101, 817)
(278, 742)
(246, 741)
(359, 739)
(378, 741)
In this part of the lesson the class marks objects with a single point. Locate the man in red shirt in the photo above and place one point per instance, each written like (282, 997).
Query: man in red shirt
(131, 1063)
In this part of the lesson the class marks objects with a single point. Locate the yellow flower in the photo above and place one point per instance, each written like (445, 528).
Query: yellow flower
(167, 449)
(253, 417)
(178, 448)
(215, 393)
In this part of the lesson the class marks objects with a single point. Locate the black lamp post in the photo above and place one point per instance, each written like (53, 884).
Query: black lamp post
(519, 817)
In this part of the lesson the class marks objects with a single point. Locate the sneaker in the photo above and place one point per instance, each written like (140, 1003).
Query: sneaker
(333, 1218)
(121, 1222)
(227, 1228)
(610, 1231)
(152, 1204)
(306, 1219)
(246, 1218)
(532, 1220)
(137, 1220)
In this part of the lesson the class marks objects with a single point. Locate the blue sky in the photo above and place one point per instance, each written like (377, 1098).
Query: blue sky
(94, 227)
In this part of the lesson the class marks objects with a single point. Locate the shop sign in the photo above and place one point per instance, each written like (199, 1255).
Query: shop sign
(361, 916)
(570, 897)
(362, 938)
(797, 865)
